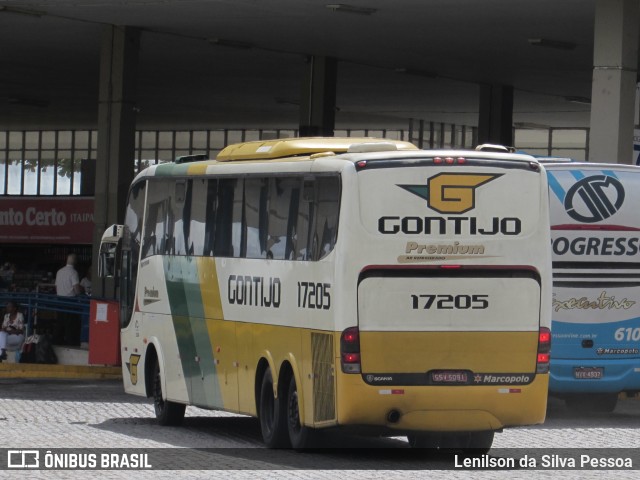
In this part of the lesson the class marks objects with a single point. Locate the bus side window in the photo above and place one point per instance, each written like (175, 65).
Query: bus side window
(129, 266)
(133, 216)
(202, 217)
(156, 231)
(283, 216)
(326, 221)
(150, 246)
(256, 216)
(292, 220)
(180, 212)
(304, 224)
(223, 246)
(238, 222)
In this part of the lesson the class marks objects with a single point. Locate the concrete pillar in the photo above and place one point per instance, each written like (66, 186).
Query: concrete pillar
(116, 136)
(615, 66)
(495, 121)
(318, 97)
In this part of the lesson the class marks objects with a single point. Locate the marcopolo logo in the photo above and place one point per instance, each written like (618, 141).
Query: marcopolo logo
(594, 198)
(451, 192)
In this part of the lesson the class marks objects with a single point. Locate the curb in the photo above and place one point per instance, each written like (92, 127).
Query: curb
(36, 370)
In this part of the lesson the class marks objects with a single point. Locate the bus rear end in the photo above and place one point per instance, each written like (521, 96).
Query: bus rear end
(596, 291)
(452, 337)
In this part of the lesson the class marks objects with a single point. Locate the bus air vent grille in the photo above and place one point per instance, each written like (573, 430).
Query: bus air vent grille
(324, 400)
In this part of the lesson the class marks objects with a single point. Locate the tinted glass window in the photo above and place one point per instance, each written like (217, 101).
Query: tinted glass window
(133, 216)
(131, 250)
(157, 232)
(178, 224)
(256, 216)
(198, 200)
(238, 222)
(282, 218)
(284, 200)
(224, 217)
(303, 232)
(326, 221)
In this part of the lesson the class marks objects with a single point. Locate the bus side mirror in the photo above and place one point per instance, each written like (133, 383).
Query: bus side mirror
(109, 250)
(107, 261)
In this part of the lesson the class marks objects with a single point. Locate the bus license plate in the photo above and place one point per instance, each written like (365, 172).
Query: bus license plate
(588, 373)
(449, 377)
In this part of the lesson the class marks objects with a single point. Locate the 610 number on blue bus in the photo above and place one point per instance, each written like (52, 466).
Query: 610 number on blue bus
(628, 334)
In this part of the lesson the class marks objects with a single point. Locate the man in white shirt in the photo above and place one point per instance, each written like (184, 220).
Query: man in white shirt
(67, 281)
(68, 285)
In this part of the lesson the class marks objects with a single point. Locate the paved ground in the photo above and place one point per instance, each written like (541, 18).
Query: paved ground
(75, 415)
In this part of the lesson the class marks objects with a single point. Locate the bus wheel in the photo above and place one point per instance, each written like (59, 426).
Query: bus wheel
(301, 437)
(424, 440)
(167, 413)
(592, 402)
(480, 442)
(272, 415)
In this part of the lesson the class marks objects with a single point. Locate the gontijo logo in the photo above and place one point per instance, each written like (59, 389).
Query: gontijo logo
(451, 192)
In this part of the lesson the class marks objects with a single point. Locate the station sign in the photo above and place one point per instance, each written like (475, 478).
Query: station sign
(47, 220)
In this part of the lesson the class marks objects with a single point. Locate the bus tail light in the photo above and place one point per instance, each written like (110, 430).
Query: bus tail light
(350, 350)
(544, 347)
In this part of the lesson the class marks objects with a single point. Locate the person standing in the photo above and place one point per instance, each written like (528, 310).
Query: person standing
(67, 280)
(85, 283)
(12, 332)
(68, 285)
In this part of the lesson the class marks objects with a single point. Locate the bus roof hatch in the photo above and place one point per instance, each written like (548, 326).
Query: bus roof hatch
(291, 147)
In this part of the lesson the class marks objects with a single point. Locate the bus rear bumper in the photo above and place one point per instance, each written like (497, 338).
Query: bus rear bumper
(442, 408)
(617, 376)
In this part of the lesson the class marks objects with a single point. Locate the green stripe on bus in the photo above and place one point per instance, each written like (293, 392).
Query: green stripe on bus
(191, 330)
(169, 169)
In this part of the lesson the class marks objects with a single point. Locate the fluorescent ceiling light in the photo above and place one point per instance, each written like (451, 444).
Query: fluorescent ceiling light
(580, 100)
(28, 102)
(287, 101)
(342, 7)
(531, 126)
(22, 11)
(222, 42)
(419, 73)
(557, 44)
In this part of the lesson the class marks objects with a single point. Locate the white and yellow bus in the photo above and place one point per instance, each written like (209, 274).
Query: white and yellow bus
(340, 282)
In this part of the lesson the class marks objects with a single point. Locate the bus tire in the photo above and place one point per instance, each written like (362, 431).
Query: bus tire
(167, 413)
(480, 442)
(301, 437)
(592, 402)
(272, 415)
(424, 440)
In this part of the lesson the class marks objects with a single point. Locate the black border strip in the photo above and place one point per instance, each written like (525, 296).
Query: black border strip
(372, 164)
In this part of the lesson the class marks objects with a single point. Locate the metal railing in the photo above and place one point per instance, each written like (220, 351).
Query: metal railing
(34, 303)
(51, 162)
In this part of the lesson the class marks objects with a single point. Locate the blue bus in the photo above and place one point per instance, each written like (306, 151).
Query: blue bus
(595, 240)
